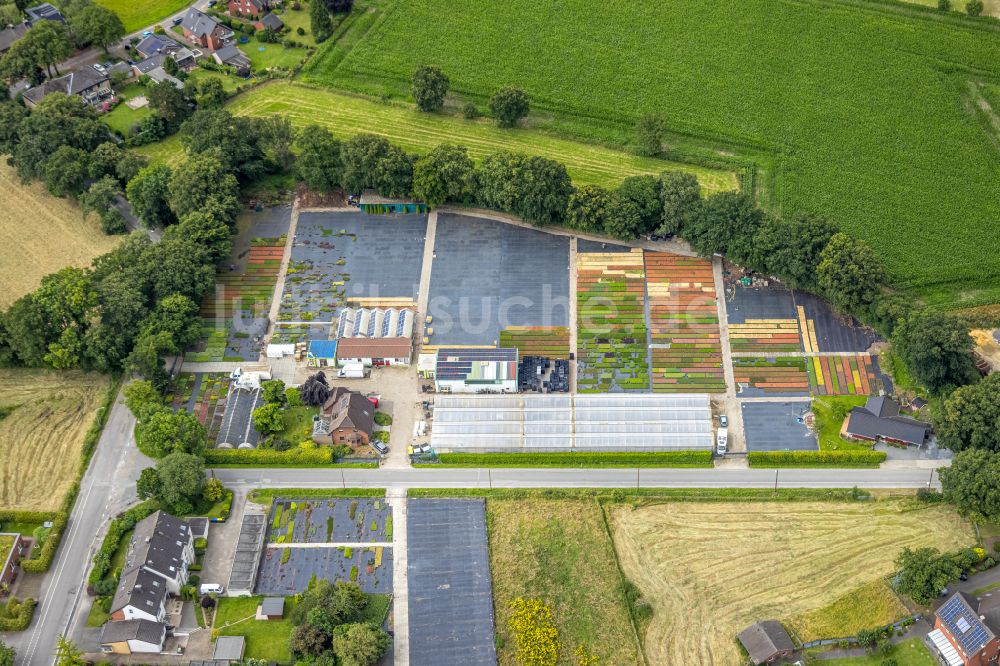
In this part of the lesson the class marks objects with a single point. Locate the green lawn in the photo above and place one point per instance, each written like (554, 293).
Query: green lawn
(820, 93)
(229, 83)
(908, 653)
(122, 118)
(298, 424)
(266, 639)
(264, 56)
(347, 115)
(298, 19)
(138, 14)
(830, 412)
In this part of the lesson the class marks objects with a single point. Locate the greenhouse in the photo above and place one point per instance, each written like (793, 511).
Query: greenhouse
(591, 422)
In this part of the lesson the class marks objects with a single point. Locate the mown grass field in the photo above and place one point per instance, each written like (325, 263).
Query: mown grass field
(711, 569)
(138, 14)
(42, 436)
(347, 115)
(40, 234)
(823, 90)
(559, 551)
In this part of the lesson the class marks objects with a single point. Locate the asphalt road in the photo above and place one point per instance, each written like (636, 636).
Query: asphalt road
(107, 488)
(578, 478)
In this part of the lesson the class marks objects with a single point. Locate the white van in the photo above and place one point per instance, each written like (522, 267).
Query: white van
(211, 588)
(721, 440)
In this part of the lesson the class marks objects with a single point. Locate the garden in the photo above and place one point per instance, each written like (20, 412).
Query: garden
(683, 324)
(612, 336)
(782, 376)
(844, 375)
(343, 520)
(201, 394)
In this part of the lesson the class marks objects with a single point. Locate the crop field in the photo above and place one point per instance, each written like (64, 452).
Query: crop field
(843, 375)
(795, 562)
(831, 121)
(58, 236)
(683, 324)
(779, 376)
(141, 14)
(547, 341)
(42, 435)
(346, 115)
(611, 314)
(559, 551)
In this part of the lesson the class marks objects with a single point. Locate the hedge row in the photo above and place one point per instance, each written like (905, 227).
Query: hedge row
(42, 560)
(860, 458)
(116, 530)
(320, 456)
(580, 459)
(268, 495)
(27, 516)
(18, 615)
(654, 494)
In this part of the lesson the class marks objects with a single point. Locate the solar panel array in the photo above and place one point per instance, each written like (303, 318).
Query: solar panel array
(456, 364)
(964, 624)
(559, 422)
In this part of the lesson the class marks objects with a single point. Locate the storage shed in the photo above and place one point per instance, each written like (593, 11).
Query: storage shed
(766, 641)
(271, 608)
(229, 648)
(373, 203)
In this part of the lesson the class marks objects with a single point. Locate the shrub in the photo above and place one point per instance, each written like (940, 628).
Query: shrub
(300, 31)
(944, 5)
(298, 456)
(354, 574)
(974, 7)
(17, 615)
(470, 111)
(383, 419)
(200, 544)
(535, 635)
(815, 458)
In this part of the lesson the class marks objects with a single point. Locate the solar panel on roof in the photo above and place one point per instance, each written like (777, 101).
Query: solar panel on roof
(386, 323)
(956, 613)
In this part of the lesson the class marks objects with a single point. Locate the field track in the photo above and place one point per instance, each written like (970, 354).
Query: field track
(40, 234)
(41, 438)
(347, 115)
(712, 569)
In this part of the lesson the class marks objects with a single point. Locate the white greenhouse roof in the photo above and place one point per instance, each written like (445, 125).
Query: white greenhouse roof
(591, 422)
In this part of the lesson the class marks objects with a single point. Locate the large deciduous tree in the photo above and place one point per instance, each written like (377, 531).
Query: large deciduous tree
(728, 223)
(319, 21)
(370, 161)
(149, 194)
(588, 208)
(937, 349)
(924, 572)
(447, 173)
(534, 188)
(202, 181)
(319, 164)
(429, 86)
(508, 105)
(649, 134)
(849, 273)
(970, 417)
(182, 479)
(679, 195)
(234, 140)
(98, 26)
(644, 193)
(359, 644)
(166, 432)
(972, 484)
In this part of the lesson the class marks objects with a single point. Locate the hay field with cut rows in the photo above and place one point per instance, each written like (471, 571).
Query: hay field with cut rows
(41, 437)
(823, 91)
(712, 569)
(41, 234)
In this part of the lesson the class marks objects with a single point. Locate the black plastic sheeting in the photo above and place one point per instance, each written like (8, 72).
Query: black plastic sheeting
(774, 426)
(450, 590)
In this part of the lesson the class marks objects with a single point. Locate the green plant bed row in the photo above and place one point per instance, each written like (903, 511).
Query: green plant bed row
(774, 459)
(304, 457)
(268, 495)
(580, 459)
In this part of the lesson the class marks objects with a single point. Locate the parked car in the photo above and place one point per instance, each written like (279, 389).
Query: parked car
(211, 588)
(100, 68)
(178, 20)
(420, 449)
(148, 33)
(722, 441)
(380, 448)
(723, 420)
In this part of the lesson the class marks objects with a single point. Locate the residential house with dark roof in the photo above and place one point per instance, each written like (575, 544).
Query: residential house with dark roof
(140, 595)
(269, 22)
(249, 8)
(347, 417)
(44, 12)
(766, 641)
(133, 636)
(231, 55)
(87, 83)
(164, 546)
(879, 419)
(161, 45)
(965, 633)
(11, 34)
(12, 549)
(205, 31)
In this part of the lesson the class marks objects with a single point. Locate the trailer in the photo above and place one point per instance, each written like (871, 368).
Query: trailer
(351, 371)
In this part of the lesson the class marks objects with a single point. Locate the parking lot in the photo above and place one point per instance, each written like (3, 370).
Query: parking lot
(775, 426)
(488, 275)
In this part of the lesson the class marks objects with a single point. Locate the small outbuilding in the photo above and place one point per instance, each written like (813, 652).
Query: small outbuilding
(270, 22)
(766, 641)
(229, 648)
(271, 608)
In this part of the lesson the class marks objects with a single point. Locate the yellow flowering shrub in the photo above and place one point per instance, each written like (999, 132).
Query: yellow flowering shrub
(535, 633)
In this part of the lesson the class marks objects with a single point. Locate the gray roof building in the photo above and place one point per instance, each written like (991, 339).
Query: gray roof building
(163, 45)
(229, 648)
(10, 35)
(880, 419)
(149, 64)
(272, 606)
(87, 83)
(44, 11)
(146, 631)
(271, 21)
(158, 544)
(765, 641)
(232, 56)
(199, 23)
(140, 589)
